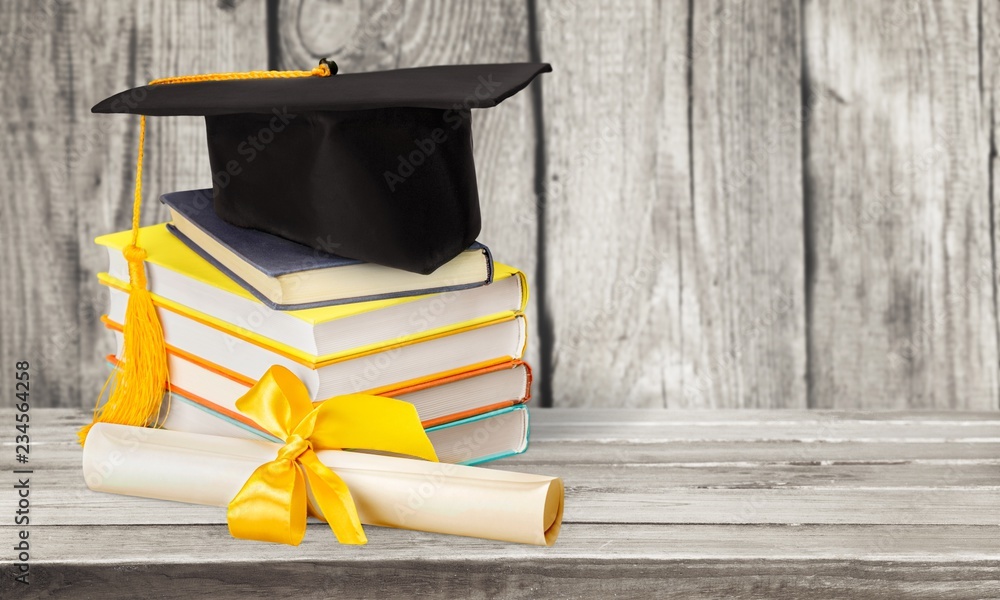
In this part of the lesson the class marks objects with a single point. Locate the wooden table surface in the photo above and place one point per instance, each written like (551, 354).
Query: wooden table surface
(755, 504)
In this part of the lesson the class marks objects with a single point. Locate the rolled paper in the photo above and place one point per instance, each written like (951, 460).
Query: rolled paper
(388, 491)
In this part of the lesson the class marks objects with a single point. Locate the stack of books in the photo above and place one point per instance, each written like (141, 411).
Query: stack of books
(235, 301)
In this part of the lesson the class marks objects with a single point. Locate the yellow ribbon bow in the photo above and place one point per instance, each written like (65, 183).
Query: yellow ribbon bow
(272, 506)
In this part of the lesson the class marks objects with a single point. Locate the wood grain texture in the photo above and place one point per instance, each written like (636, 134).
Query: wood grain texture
(902, 306)
(160, 39)
(388, 34)
(69, 174)
(935, 544)
(728, 524)
(989, 79)
(679, 562)
(616, 134)
(742, 254)
(40, 283)
(59, 499)
(701, 248)
(702, 468)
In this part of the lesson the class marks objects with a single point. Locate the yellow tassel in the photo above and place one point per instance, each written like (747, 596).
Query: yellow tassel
(138, 384)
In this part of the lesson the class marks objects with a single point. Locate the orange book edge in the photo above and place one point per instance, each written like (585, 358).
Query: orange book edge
(388, 391)
(240, 378)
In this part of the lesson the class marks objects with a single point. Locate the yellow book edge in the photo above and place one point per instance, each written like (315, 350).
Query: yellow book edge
(167, 252)
(304, 358)
(115, 326)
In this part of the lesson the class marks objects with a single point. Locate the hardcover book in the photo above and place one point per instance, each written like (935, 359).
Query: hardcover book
(181, 280)
(470, 441)
(285, 275)
(249, 357)
(438, 400)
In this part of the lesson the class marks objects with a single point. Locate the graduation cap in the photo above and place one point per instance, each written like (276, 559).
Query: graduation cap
(373, 166)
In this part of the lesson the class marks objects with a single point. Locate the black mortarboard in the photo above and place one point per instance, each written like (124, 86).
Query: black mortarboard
(373, 166)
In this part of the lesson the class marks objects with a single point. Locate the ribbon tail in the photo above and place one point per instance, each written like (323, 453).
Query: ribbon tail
(334, 500)
(271, 506)
(346, 422)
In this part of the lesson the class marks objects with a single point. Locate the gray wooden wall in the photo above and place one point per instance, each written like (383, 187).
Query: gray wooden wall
(723, 203)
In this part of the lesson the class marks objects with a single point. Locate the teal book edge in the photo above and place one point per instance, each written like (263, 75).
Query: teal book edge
(477, 461)
(493, 413)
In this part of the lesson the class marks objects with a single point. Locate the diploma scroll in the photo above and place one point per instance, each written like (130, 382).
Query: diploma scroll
(388, 491)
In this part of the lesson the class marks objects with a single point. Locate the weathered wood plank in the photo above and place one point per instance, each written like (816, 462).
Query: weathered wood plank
(752, 418)
(66, 454)
(518, 578)
(907, 519)
(664, 477)
(921, 420)
(705, 473)
(600, 542)
(693, 453)
(128, 45)
(684, 303)
(902, 306)
(742, 255)
(390, 34)
(62, 498)
(989, 52)
(616, 134)
(686, 438)
(39, 284)
(69, 174)
(103, 153)
(587, 561)
(657, 425)
(642, 426)
(896, 475)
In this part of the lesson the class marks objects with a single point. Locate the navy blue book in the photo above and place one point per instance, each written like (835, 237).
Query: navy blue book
(286, 275)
